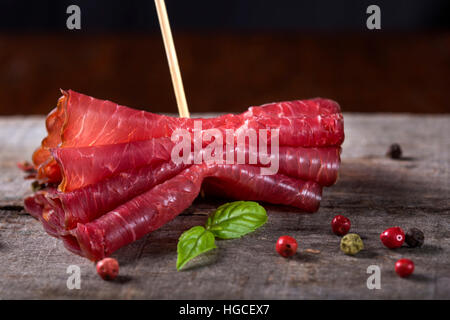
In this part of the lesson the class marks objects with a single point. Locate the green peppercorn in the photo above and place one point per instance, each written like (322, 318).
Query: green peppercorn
(351, 244)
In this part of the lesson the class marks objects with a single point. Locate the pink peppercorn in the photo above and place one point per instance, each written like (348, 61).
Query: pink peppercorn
(340, 225)
(393, 237)
(286, 246)
(108, 268)
(404, 267)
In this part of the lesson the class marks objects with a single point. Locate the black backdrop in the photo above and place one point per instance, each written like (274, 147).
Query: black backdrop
(140, 16)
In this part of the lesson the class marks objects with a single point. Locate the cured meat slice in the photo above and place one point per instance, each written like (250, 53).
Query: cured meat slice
(245, 182)
(111, 178)
(154, 208)
(83, 166)
(35, 207)
(81, 120)
(61, 211)
(88, 165)
(298, 108)
(317, 164)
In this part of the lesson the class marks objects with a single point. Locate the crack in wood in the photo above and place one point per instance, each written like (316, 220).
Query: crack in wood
(12, 208)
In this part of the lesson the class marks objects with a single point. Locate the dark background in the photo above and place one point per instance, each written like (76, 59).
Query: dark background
(232, 54)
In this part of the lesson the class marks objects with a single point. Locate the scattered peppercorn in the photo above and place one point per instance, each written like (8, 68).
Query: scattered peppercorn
(351, 244)
(395, 151)
(404, 267)
(393, 237)
(36, 186)
(340, 225)
(108, 268)
(286, 246)
(414, 238)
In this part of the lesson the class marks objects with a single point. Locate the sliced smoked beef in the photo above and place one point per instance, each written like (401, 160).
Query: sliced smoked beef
(154, 208)
(111, 179)
(81, 120)
(128, 172)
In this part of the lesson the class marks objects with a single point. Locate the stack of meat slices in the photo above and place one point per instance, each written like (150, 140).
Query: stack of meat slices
(110, 178)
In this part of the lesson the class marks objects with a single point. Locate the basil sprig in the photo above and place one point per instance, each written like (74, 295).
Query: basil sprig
(235, 219)
(192, 243)
(231, 220)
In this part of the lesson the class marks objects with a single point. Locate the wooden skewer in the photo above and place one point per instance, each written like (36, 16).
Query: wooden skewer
(172, 59)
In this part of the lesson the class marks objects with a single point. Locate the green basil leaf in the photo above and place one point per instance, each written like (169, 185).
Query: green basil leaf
(235, 219)
(192, 243)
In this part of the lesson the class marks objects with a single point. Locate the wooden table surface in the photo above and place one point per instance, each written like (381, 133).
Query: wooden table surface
(373, 191)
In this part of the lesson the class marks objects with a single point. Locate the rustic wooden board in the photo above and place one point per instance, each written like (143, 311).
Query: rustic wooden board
(373, 191)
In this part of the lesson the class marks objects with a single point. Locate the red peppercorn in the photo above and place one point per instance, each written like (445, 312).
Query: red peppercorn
(404, 267)
(340, 225)
(286, 246)
(393, 237)
(108, 268)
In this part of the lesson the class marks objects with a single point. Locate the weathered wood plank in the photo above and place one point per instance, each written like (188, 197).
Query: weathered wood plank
(373, 191)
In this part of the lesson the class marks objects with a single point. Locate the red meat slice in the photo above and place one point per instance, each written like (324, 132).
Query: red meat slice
(83, 166)
(81, 120)
(63, 210)
(154, 208)
(117, 181)
(88, 165)
(297, 108)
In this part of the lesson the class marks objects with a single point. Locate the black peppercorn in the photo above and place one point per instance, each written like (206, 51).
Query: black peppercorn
(414, 238)
(36, 186)
(395, 151)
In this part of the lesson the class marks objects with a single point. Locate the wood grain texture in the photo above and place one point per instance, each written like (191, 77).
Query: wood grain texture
(373, 191)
